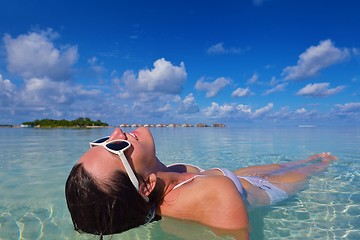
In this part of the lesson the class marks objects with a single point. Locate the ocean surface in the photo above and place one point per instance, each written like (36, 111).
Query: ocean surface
(34, 165)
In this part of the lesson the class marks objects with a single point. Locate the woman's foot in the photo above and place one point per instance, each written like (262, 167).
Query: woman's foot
(327, 157)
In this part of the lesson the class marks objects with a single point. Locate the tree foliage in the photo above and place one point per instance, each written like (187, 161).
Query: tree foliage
(79, 122)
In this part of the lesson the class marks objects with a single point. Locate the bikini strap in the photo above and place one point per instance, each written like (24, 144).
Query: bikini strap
(234, 178)
(186, 181)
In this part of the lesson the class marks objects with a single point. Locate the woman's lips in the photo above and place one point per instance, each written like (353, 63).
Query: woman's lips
(133, 134)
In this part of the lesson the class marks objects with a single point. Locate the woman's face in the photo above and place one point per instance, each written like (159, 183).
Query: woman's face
(141, 155)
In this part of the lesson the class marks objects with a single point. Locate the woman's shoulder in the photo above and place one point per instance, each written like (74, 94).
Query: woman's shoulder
(210, 200)
(185, 167)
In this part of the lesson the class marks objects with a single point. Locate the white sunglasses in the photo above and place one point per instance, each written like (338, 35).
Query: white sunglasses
(118, 147)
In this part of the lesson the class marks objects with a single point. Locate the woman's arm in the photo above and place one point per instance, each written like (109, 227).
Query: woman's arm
(212, 200)
(229, 214)
(231, 211)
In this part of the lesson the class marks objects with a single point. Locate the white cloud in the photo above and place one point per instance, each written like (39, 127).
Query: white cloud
(95, 66)
(301, 111)
(41, 95)
(233, 111)
(300, 114)
(92, 60)
(355, 51)
(314, 59)
(154, 92)
(226, 110)
(34, 55)
(277, 88)
(319, 90)
(7, 88)
(46, 89)
(347, 111)
(7, 92)
(217, 49)
(167, 107)
(163, 78)
(253, 79)
(45, 92)
(212, 88)
(189, 105)
(220, 49)
(273, 81)
(150, 110)
(262, 111)
(242, 92)
(348, 107)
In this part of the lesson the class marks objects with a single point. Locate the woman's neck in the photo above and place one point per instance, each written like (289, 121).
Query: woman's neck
(159, 166)
(171, 179)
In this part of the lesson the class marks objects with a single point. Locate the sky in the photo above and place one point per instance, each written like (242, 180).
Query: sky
(232, 62)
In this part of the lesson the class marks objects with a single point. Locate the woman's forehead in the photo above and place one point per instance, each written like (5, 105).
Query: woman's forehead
(100, 163)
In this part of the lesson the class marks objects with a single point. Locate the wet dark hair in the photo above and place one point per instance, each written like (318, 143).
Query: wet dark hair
(109, 207)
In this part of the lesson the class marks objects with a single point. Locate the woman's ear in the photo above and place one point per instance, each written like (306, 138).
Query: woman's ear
(148, 186)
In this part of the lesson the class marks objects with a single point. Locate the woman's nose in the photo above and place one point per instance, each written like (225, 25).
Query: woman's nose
(117, 134)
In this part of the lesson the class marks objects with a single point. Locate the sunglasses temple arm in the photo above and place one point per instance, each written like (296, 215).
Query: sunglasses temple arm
(129, 170)
(130, 173)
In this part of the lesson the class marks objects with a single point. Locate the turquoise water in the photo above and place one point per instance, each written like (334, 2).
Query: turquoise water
(34, 164)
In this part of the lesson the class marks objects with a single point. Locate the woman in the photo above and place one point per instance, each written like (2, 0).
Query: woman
(120, 184)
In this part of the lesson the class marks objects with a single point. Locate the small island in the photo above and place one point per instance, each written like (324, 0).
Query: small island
(77, 123)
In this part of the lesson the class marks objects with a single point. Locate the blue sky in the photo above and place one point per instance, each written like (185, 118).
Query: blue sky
(251, 61)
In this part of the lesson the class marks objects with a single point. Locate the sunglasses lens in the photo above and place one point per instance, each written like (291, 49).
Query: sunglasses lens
(101, 140)
(117, 146)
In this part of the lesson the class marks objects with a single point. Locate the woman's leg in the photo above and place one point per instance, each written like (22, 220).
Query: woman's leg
(269, 168)
(309, 159)
(262, 169)
(293, 180)
(290, 178)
